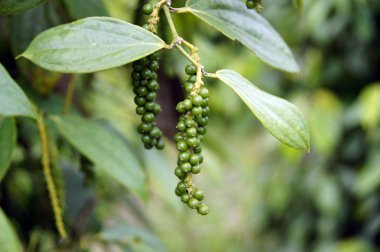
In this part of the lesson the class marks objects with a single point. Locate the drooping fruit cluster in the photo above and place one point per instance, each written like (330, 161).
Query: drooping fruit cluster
(254, 4)
(191, 128)
(145, 87)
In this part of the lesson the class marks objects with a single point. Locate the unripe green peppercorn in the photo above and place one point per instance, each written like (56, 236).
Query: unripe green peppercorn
(178, 192)
(197, 100)
(155, 132)
(149, 106)
(181, 126)
(190, 123)
(154, 76)
(183, 156)
(193, 203)
(201, 130)
(189, 87)
(153, 56)
(146, 127)
(140, 101)
(147, 9)
(206, 111)
(136, 76)
(142, 91)
(180, 107)
(179, 173)
(196, 111)
(182, 146)
(151, 96)
(144, 61)
(191, 132)
(181, 186)
(148, 117)
(191, 142)
(205, 102)
(137, 67)
(178, 137)
(185, 167)
(160, 145)
(199, 194)
(203, 210)
(140, 110)
(146, 139)
(198, 149)
(196, 169)
(148, 146)
(157, 109)
(190, 70)
(146, 73)
(187, 104)
(185, 198)
(194, 159)
(153, 85)
(154, 65)
(143, 82)
(192, 78)
(204, 92)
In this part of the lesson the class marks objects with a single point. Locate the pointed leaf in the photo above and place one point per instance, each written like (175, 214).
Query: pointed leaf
(106, 150)
(7, 143)
(13, 101)
(90, 45)
(9, 241)
(13, 6)
(237, 22)
(281, 118)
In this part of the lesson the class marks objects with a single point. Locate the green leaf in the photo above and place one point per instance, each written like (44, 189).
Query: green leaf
(7, 143)
(91, 44)
(105, 150)
(9, 241)
(281, 118)
(13, 101)
(237, 22)
(85, 8)
(13, 6)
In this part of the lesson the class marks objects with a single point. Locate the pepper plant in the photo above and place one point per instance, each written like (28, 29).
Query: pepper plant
(97, 43)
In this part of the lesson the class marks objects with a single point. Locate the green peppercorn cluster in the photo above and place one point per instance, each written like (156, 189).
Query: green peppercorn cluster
(255, 4)
(145, 87)
(192, 126)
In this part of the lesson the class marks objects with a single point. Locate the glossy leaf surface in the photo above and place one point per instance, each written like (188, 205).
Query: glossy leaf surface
(237, 22)
(281, 118)
(90, 45)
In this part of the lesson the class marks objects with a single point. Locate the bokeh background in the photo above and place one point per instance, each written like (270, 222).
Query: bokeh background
(263, 196)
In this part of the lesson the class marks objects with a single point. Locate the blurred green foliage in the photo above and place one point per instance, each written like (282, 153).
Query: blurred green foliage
(263, 196)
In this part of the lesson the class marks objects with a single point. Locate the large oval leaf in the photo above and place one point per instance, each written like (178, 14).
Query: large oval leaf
(281, 118)
(13, 101)
(107, 151)
(237, 22)
(7, 143)
(90, 45)
(9, 241)
(13, 6)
